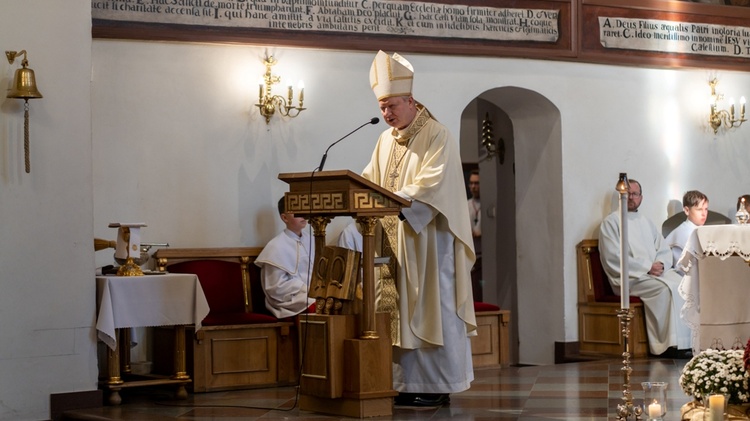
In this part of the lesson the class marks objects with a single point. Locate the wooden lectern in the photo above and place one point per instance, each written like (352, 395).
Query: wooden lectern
(346, 362)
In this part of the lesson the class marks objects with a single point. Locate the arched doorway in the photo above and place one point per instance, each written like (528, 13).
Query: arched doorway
(522, 230)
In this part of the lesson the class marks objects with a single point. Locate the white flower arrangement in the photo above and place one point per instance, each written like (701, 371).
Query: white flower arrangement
(717, 371)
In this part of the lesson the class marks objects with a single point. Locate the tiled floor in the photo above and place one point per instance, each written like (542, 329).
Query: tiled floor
(574, 391)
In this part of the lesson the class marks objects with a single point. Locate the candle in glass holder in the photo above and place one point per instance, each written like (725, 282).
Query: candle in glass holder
(716, 407)
(654, 410)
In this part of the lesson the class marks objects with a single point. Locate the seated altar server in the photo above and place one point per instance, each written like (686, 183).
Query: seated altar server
(286, 267)
(695, 205)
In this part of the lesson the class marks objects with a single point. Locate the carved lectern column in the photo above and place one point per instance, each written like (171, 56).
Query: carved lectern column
(319, 224)
(367, 228)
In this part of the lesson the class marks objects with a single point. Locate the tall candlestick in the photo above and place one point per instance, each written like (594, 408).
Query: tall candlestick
(290, 94)
(301, 93)
(731, 107)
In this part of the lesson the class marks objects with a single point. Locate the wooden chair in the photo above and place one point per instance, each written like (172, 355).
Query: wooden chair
(490, 348)
(598, 324)
(241, 345)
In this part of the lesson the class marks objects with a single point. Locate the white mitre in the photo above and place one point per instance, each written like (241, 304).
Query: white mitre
(391, 76)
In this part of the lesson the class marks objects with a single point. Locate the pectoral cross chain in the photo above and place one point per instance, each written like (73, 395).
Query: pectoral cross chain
(393, 176)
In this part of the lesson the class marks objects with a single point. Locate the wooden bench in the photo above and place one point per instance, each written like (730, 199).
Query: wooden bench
(490, 348)
(598, 324)
(241, 345)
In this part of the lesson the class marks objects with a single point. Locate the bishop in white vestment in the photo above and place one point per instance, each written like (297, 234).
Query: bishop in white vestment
(427, 286)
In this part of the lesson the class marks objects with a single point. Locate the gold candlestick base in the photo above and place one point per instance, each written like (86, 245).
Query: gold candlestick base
(626, 409)
(129, 269)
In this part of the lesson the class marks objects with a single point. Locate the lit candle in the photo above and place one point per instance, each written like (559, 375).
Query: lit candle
(716, 408)
(742, 107)
(654, 410)
(624, 245)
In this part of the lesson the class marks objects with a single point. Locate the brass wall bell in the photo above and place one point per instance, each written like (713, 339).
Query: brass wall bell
(24, 87)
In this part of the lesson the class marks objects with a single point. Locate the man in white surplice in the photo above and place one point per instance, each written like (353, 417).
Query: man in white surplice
(426, 287)
(650, 272)
(285, 264)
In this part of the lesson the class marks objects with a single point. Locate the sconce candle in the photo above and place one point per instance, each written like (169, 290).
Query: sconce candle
(742, 108)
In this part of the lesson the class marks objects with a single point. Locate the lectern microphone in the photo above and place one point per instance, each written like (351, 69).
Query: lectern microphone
(373, 120)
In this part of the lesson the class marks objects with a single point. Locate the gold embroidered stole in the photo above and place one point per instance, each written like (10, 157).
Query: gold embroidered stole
(389, 273)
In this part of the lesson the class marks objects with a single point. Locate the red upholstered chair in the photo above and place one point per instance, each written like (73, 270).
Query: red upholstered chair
(490, 348)
(603, 292)
(598, 324)
(241, 345)
(222, 284)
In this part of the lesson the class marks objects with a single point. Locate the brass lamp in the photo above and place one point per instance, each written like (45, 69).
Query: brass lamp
(727, 118)
(268, 103)
(24, 87)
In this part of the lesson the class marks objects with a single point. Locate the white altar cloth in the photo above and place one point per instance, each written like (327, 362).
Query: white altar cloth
(715, 286)
(149, 300)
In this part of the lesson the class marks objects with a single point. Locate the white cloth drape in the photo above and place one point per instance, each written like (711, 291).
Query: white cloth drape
(150, 300)
(715, 284)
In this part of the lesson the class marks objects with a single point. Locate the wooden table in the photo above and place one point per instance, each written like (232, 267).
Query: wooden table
(137, 301)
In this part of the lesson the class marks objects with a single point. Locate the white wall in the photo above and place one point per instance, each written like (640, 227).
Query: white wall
(179, 145)
(47, 303)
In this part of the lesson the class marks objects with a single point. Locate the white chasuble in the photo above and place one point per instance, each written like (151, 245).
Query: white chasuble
(434, 253)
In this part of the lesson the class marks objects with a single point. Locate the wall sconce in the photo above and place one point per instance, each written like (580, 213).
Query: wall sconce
(493, 148)
(24, 87)
(268, 103)
(717, 117)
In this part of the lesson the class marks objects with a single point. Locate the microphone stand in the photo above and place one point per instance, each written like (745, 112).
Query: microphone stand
(373, 120)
